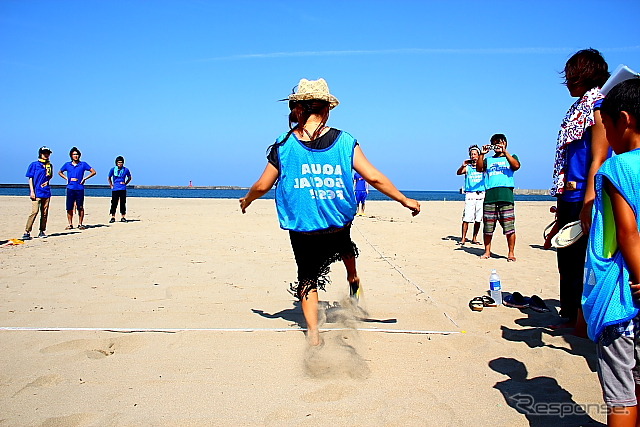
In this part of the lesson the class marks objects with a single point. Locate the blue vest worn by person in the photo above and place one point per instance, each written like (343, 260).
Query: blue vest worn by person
(499, 173)
(315, 187)
(606, 297)
(473, 180)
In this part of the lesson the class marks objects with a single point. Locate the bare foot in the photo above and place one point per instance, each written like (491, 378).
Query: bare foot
(462, 242)
(313, 337)
(511, 258)
(485, 255)
(475, 242)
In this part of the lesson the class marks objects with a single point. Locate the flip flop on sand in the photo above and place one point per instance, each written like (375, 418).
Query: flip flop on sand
(511, 259)
(537, 304)
(516, 300)
(476, 304)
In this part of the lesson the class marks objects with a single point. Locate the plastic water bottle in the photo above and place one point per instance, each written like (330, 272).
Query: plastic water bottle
(494, 287)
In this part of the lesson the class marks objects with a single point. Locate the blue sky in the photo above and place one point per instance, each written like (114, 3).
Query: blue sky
(187, 90)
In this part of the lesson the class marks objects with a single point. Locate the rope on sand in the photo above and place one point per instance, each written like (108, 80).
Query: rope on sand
(404, 276)
(174, 330)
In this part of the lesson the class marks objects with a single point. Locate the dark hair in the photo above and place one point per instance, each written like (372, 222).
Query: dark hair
(586, 68)
(301, 110)
(498, 137)
(119, 159)
(73, 150)
(624, 96)
(474, 147)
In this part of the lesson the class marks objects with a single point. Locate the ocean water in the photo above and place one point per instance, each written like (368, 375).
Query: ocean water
(193, 193)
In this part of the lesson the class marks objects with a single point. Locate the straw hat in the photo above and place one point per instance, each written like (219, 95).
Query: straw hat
(313, 89)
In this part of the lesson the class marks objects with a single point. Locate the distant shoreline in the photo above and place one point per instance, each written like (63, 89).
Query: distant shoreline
(139, 187)
(516, 191)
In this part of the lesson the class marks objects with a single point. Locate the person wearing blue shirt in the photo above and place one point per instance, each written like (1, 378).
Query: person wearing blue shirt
(119, 177)
(315, 200)
(498, 200)
(39, 173)
(362, 191)
(611, 293)
(473, 195)
(581, 149)
(75, 178)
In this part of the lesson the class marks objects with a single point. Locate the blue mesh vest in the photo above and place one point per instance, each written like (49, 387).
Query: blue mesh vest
(606, 297)
(499, 173)
(315, 187)
(473, 180)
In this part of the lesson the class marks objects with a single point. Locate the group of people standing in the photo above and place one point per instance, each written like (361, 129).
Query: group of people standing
(312, 165)
(73, 172)
(488, 189)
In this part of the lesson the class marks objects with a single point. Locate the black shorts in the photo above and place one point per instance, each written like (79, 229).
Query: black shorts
(315, 252)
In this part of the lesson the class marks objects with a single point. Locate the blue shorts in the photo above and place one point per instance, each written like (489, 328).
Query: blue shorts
(75, 197)
(361, 196)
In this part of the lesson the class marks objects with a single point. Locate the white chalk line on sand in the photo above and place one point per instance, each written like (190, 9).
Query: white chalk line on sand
(131, 330)
(404, 276)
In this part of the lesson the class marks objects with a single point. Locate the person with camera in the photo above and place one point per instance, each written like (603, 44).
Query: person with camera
(473, 195)
(498, 201)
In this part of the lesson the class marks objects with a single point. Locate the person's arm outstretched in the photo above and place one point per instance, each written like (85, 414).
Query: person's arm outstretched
(599, 152)
(380, 182)
(627, 236)
(260, 188)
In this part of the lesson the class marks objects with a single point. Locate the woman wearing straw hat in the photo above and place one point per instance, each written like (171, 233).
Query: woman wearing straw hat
(312, 164)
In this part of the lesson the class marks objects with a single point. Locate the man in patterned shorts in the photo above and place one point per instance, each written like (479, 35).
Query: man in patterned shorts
(498, 202)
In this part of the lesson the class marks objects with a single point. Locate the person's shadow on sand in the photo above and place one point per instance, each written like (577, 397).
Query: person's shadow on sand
(541, 399)
(330, 312)
(293, 314)
(536, 325)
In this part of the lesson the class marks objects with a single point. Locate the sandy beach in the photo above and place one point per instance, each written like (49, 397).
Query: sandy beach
(181, 317)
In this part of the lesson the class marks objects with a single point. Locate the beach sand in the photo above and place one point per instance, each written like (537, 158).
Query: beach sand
(201, 267)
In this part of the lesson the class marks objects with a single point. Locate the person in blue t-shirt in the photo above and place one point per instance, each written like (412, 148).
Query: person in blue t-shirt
(75, 178)
(39, 173)
(362, 191)
(473, 195)
(315, 200)
(581, 148)
(498, 200)
(119, 177)
(611, 295)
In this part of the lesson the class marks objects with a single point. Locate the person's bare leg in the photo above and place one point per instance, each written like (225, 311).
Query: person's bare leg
(465, 227)
(511, 243)
(80, 215)
(310, 311)
(352, 275)
(476, 230)
(622, 416)
(70, 217)
(487, 246)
